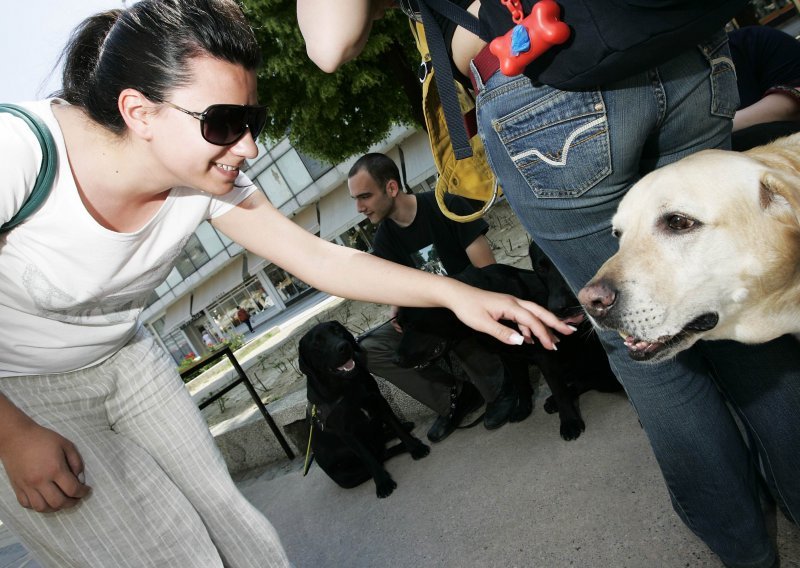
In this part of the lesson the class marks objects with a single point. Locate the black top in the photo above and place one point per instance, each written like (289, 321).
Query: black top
(411, 245)
(765, 58)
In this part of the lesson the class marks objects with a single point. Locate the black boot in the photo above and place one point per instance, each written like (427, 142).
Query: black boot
(461, 405)
(499, 410)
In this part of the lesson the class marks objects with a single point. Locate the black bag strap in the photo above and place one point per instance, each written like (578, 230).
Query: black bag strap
(444, 72)
(47, 169)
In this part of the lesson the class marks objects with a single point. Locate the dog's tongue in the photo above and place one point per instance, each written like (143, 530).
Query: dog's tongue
(347, 367)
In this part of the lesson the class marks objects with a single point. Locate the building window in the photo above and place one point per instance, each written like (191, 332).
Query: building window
(176, 342)
(294, 171)
(315, 168)
(429, 184)
(209, 238)
(273, 184)
(359, 236)
(250, 295)
(289, 287)
(192, 257)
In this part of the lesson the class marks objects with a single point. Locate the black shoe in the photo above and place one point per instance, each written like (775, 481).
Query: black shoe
(468, 401)
(441, 428)
(499, 410)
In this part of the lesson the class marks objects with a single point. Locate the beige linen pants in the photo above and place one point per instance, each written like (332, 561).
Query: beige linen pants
(161, 494)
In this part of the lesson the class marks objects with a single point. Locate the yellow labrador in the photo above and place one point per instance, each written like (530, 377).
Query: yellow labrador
(709, 248)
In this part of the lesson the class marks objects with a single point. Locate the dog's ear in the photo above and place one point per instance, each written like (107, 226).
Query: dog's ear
(304, 357)
(777, 194)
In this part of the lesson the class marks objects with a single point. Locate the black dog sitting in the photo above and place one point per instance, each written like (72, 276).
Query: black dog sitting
(350, 417)
(578, 365)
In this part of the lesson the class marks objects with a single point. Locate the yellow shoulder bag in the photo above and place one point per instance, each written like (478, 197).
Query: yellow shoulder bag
(470, 177)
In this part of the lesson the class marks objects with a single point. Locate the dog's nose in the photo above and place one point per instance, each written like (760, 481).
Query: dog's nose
(598, 298)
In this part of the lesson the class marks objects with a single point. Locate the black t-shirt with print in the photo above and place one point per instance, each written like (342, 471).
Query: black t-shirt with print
(432, 241)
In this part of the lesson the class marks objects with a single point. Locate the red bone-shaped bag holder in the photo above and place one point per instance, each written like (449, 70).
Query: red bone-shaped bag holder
(531, 37)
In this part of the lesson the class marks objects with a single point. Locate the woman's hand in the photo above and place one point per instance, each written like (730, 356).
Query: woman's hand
(481, 310)
(45, 469)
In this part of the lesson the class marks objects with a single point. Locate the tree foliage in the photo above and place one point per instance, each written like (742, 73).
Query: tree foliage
(334, 116)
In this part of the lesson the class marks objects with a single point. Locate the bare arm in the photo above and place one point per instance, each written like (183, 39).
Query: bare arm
(336, 31)
(44, 468)
(773, 107)
(480, 252)
(338, 270)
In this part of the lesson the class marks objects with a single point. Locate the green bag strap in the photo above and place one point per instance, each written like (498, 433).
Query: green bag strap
(47, 169)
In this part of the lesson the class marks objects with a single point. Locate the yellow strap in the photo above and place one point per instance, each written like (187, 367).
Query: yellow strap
(440, 191)
(310, 431)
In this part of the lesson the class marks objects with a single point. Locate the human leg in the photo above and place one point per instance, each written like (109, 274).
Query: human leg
(158, 415)
(431, 386)
(137, 514)
(434, 387)
(564, 161)
(485, 370)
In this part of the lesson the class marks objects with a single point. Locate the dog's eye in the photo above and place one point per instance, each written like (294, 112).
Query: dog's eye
(616, 233)
(679, 222)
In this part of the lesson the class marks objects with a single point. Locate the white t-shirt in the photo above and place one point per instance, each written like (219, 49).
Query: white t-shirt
(71, 291)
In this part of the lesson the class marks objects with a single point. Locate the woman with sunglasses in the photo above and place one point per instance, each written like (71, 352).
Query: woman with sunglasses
(108, 461)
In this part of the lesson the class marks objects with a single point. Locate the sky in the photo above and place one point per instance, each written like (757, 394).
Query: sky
(32, 35)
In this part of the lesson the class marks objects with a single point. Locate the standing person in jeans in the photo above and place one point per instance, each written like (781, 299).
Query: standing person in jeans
(565, 159)
(407, 224)
(106, 460)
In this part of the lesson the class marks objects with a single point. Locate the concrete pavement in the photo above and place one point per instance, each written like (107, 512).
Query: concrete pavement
(517, 496)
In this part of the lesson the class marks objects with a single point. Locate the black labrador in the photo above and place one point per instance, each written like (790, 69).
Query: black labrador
(579, 364)
(351, 421)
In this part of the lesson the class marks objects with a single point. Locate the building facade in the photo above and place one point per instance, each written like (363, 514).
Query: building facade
(213, 276)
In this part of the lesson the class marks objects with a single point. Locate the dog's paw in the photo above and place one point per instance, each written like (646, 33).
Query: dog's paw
(420, 451)
(384, 486)
(522, 410)
(550, 406)
(571, 429)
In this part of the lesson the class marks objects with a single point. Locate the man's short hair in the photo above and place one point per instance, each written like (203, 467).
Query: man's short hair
(380, 166)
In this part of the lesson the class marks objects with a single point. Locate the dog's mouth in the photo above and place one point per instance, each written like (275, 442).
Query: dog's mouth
(347, 366)
(643, 350)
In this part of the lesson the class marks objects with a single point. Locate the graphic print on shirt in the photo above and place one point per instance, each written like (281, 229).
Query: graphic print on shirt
(428, 259)
(108, 306)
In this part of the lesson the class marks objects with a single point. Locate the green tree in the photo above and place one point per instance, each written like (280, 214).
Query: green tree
(334, 116)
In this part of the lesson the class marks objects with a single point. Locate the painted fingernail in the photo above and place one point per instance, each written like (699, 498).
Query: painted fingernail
(516, 339)
(555, 347)
(572, 327)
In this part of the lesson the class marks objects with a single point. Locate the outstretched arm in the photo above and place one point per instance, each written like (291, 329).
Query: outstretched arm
(338, 270)
(336, 31)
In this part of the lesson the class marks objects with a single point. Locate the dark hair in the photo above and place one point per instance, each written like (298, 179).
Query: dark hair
(148, 47)
(380, 166)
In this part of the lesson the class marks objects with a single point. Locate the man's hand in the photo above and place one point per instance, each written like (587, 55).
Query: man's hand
(45, 469)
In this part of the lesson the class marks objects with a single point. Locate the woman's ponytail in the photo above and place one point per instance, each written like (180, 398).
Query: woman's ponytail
(81, 57)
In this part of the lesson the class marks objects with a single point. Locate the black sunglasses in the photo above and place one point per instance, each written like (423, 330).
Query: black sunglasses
(222, 125)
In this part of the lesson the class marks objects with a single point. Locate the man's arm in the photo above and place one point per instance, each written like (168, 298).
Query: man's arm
(480, 252)
(772, 108)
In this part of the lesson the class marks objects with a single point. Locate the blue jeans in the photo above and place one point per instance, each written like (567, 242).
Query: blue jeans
(564, 161)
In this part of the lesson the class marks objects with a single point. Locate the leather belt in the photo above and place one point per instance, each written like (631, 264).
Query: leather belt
(486, 64)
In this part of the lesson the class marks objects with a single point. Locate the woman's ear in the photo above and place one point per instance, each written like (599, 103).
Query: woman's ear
(137, 111)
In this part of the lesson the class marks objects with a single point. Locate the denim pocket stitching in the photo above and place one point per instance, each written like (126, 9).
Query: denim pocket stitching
(565, 148)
